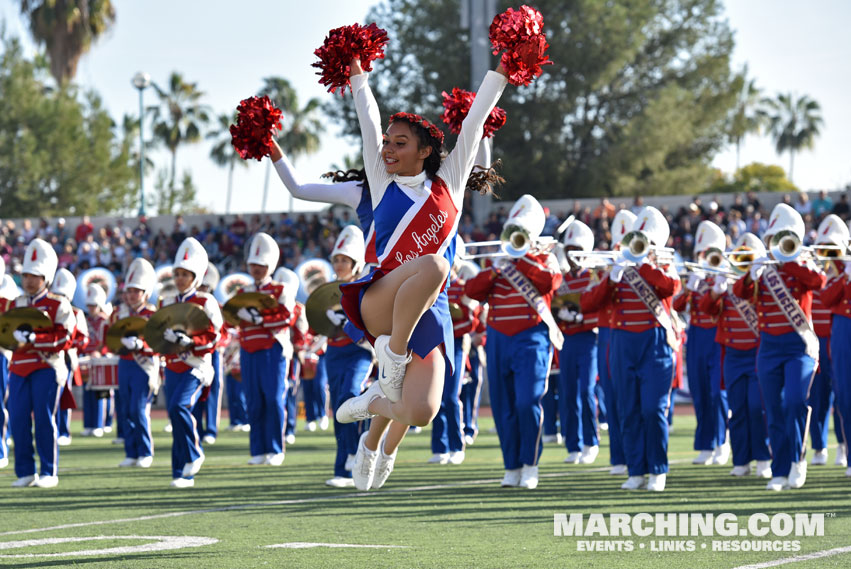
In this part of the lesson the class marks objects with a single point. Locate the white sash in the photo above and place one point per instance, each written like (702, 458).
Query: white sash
(648, 296)
(530, 294)
(792, 310)
(746, 311)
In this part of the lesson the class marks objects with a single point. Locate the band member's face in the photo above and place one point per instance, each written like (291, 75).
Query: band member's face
(183, 279)
(257, 272)
(134, 296)
(343, 266)
(401, 152)
(32, 284)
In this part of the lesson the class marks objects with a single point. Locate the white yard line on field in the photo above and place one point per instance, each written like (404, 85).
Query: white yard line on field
(798, 558)
(158, 543)
(306, 545)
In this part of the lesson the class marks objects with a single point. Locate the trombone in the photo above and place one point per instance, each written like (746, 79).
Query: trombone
(514, 242)
(635, 245)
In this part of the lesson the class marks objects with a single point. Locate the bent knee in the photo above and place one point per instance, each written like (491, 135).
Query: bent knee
(422, 417)
(435, 265)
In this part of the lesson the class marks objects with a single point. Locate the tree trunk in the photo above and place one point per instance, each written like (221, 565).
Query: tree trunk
(266, 186)
(738, 151)
(171, 192)
(791, 164)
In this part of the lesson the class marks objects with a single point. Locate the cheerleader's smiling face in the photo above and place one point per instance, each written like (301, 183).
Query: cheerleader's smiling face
(401, 150)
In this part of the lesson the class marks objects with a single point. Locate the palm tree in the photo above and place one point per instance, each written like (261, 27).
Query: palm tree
(223, 152)
(301, 126)
(180, 117)
(747, 116)
(67, 28)
(793, 123)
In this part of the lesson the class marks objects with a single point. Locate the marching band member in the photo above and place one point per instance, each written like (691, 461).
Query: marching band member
(471, 388)
(38, 370)
(7, 296)
(788, 347)
(138, 368)
(237, 406)
(641, 352)
(208, 410)
(299, 338)
(578, 357)
(521, 333)
(738, 334)
(94, 406)
(266, 350)
(703, 353)
(188, 371)
(313, 390)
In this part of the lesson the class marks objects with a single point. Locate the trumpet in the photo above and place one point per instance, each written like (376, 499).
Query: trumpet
(716, 270)
(786, 246)
(714, 257)
(740, 258)
(514, 242)
(636, 245)
(593, 259)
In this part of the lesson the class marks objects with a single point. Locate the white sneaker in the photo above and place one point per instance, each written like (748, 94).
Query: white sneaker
(118, 441)
(589, 454)
(310, 426)
(469, 440)
(86, 432)
(604, 426)
(511, 478)
(763, 469)
(107, 429)
(234, 428)
(183, 483)
(656, 482)
(145, 461)
(721, 454)
(340, 482)
(167, 429)
(25, 481)
(848, 471)
(573, 457)
(634, 483)
(350, 462)
(841, 455)
(439, 458)
(63, 441)
(528, 477)
(391, 369)
(384, 467)
(246, 428)
(363, 470)
(549, 439)
(414, 430)
(47, 481)
(127, 462)
(357, 408)
(741, 470)
(290, 439)
(324, 423)
(4, 462)
(456, 457)
(193, 468)
(98, 433)
(618, 470)
(257, 459)
(209, 440)
(798, 474)
(703, 458)
(819, 457)
(275, 459)
(777, 484)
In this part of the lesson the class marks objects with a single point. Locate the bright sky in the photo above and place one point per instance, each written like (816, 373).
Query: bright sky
(228, 49)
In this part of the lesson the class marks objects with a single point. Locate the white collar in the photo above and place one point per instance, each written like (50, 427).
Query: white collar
(411, 181)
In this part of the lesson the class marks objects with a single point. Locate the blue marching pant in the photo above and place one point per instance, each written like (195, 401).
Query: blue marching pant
(840, 339)
(446, 429)
(4, 414)
(748, 435)
(642, 367)
(93, 409)
(135, 398)
(821, 396)
(616, 454)
(471, 393)
(181, 393)
(785, 373)
(236, 401)
(207, 413)
(518, 368)
(577, 402)
(313, 392)
(117, 411)
(348, 368)
(63, 416)
(35, 396)
(292, 407)
(703, 366)
(550, 405)
(264, 377)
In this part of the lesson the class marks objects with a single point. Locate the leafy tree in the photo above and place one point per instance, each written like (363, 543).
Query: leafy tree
(793, 123)
(223, 153)
(755, 177)
(748, 115)
(172, 199)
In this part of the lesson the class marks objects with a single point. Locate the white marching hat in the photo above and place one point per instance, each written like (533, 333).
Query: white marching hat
(65, 283)
(833, 231)
(8, 288)
(211, 277)
(528, 214)
(752, 242)
(621, 225)
(652, 223)
(2, 267)
(709, 236)
(350, 243)
(287, 277)
(264, 251)
(784, 217)
(141, 275)
(192, 257)
(579, 235)
(96, 296)
(40, 259)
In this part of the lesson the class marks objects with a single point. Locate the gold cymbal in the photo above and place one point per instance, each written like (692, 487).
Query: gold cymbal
(326, 296)
(259, 300)
(14, 318)
(130, 326)
(455, 311)
(569, 300)
(183, 316)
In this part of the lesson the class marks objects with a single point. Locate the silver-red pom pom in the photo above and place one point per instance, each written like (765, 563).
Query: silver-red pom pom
(457, 105)
(521, 34)
(257, 121)
(344, 44)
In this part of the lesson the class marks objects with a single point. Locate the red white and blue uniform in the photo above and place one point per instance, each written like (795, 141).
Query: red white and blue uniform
(79, 341)
(784, 369)
(739, 344)
(208, 410)
(414, 215)
(642, 368)
(471, 389)
(237, 407)
(519, 354)
(5, 358)
(821, 391)
(298, 329)
(836, 295)
(95, 408)
(703, 366)
(185, 374)
(265, 352)
(35, 372)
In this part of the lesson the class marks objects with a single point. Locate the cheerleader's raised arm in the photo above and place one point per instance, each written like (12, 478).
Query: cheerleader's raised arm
(343, 193)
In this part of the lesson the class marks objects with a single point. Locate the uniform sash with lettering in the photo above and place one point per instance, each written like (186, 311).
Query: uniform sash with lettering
(792, 310)
(530, 294)
(746, 311)
(648, 296)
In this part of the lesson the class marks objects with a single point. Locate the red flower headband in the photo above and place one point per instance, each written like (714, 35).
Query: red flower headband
(433, 131)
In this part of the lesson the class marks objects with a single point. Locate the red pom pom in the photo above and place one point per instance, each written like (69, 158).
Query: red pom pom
(256, 122)
(521, 34)
(523, 63)
(344, 44)
(457, 106)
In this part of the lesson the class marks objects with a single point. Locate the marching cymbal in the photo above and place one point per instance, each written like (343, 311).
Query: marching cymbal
(14, 318)
(183, 316)
(259, 300)
(130, 326)
(326, 296)
(569, 300)
(455, 311)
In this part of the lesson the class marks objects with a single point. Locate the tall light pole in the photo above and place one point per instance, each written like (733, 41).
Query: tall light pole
(141, 81)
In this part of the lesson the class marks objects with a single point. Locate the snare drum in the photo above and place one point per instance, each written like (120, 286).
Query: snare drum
(104, 373)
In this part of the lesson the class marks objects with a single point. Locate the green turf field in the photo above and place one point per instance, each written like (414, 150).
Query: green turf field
(433, 516)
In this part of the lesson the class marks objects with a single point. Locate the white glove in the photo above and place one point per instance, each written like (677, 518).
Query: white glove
(24, 336)
(566, 314)
(176, 337)
(617, 272)
(154, 383)
(132, 343)
(720, 286)
(336, 318)
(756, 271)
(250, 315)
(499, 263)
(693, 282)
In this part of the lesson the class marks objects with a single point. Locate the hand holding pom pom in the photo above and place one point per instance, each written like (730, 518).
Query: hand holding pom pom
(342, 46)
(521, 34)
(256, 123)
(457, 106)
